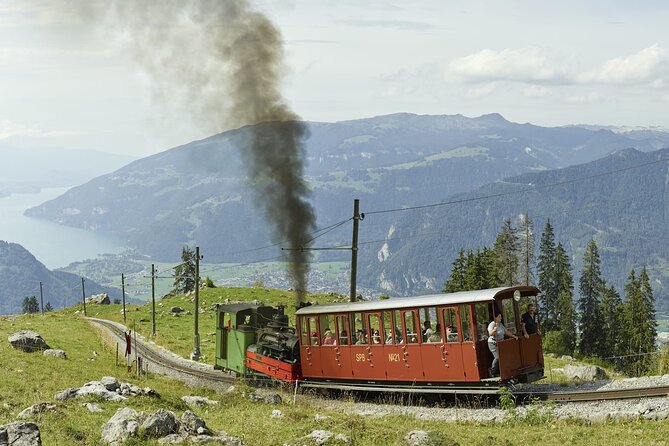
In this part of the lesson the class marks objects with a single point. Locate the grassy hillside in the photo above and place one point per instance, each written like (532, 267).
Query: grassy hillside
(28, 378)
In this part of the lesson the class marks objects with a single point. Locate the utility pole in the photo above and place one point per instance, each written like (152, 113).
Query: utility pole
(153, 299)
(41, 297)
(83, 295)
(354, 248)
(196, 351)
(123, 291)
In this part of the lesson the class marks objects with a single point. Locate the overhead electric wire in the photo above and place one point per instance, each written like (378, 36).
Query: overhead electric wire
(527, 189)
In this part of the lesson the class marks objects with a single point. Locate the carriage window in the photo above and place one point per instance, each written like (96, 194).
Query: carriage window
(509, 315)
(465, 322)
(342, 329)
(451, 324)
(395, 329)
(375, 329)
(360, 327)
(304, 330)
(482, 318)
(325, 321)
(387, 327)
(313, 331)
(412, 334)
(428, 322)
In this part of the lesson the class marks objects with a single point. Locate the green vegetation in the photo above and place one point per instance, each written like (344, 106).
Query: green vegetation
(29, 378)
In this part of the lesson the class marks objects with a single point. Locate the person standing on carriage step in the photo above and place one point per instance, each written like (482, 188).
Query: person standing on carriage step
(496, 332)
(128, 349)
(530, 322)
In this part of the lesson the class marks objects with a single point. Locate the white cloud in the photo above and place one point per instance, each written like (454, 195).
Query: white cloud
(590, 98)
(510, 64)
(480, 91)
(10, 129)
(536, 91)
(648, 66)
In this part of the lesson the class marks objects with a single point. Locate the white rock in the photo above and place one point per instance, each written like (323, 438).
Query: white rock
(56, 353)
(417, 438)
(319, 417)
(122, 426)
(198, 401)
(20, 434)
(320, 436)
(36, 409)
(92, 407)
(276, 413)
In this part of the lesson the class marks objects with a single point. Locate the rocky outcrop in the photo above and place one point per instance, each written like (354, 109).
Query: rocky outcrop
(99, 299)
(176, 310)
(108, 388)
(55, 353)
(20, 434)
(36, 409)
(584, 372)
(160, 424)
(123, 425)
(27, 341)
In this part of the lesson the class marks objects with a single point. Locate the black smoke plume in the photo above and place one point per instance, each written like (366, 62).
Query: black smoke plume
(223, 60)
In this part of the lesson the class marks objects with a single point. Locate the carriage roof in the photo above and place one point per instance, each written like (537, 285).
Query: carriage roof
(431, 300)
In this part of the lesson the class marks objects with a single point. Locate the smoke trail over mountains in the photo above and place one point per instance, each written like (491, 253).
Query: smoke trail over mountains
(223, 60)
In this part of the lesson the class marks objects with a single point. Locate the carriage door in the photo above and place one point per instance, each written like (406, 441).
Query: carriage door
(343, 347)
(469, 359)
(510, 360)
(393, 348)
(451, 348)
(411, 345)
(309, 350)
(376, 362)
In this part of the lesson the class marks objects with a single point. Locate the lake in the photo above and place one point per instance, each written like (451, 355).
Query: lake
(52, 244)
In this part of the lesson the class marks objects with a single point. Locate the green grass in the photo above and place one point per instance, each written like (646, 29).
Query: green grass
(28, 378)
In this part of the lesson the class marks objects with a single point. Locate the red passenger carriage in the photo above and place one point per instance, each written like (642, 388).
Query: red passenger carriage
(385, 342)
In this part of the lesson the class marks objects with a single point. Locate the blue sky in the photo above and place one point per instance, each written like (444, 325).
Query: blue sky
(70, 82)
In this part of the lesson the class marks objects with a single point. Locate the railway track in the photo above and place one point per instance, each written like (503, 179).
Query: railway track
(176, 365)
(157, 359)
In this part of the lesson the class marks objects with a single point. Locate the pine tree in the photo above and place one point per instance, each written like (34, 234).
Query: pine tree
(564, 313)
(639, 316)
(611, 308)
(456, 281)
(526, 251)
(48, 307)
(590, 290)
(547, 278)
(30, 305)
(506, 251)
(184, 274)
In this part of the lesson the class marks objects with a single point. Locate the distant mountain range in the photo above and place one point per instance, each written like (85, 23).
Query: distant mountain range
(198, 192)
(29, 170)
(21, 273)
(623, 207)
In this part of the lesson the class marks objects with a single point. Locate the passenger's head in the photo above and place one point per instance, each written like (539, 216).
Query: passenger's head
(498, 317)
(531, 308)
(427, 324)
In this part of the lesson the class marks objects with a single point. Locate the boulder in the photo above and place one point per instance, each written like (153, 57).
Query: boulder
(198, 401)
(92, 407)
(99, 389)
(584, 372)
(99, 299)
(320, 436)
(219, 439)
(174, 439)
(192, 424)
(28, 341)
(110, 383)
(123, 425)
(35, 409)
(176, 310)
(20, 434)
(417, 438)
(56, 353)
(274, 398)
(276, 413)
(160, 424)
(66, 394)
(566, 358)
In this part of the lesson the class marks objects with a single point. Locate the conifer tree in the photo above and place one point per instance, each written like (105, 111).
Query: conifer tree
(640, 331)
(526, 249)
(613, 325)
(48, 307)
(184, 274)
(456, 281)
(506, 252)
(565, 315)
(30, 305)
(547, 278)
(590, 290)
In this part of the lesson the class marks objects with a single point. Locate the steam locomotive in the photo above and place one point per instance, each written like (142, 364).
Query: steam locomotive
(431, 343)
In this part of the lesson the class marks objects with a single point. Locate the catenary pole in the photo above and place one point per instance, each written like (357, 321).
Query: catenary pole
(83, 294)
(41, 297)
(196, 351)
(153, 299)
(354, 248)
(123, 291)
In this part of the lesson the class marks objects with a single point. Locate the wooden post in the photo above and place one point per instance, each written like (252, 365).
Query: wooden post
(83, 294)
(123, 291)
(354, 249)
(41, 297)
(153, 299)
(117, 354)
